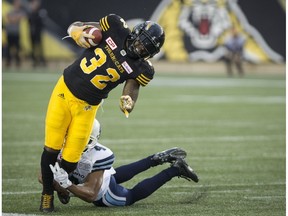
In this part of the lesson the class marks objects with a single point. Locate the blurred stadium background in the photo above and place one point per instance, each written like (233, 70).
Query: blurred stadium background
(232, 128)
(195, 30)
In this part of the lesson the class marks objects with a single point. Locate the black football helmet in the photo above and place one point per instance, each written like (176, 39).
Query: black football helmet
(145, 40)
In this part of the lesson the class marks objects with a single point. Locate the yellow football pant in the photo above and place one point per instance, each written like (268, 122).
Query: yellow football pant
(69, 122)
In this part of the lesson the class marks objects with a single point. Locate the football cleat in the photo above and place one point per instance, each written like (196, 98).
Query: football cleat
(185, 170)
(47, 203)
(64, 198)
(169, 155)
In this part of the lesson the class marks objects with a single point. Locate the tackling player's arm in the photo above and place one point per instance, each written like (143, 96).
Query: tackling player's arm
(56, 185)
(88, 191)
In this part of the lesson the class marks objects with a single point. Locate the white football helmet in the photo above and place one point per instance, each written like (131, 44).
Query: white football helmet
(95, 134)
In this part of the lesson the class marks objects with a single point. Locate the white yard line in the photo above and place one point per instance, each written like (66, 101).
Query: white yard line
(217, 82)
(264, 197)
(15, 214)
(259, 137)
(224, 185)
(196, 139)
(177, 186)
(20, 192)
(166, 81)
(247, 99)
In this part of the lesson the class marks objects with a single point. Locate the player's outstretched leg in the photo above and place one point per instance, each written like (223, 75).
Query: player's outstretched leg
(185, 171)
(169, 155)
(126, 172)
(149, 185)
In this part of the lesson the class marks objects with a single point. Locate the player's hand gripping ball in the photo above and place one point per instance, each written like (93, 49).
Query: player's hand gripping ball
(97, 36)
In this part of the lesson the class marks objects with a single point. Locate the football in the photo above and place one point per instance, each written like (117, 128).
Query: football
(96, 33)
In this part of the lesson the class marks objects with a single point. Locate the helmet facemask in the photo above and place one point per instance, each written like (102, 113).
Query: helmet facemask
(145, 40)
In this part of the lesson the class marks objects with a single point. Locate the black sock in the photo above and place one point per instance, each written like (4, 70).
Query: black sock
(47, 158)
(68, 166)
(127, 172)
(148, 186)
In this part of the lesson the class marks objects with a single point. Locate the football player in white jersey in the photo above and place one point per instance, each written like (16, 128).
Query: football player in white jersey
(95, 180)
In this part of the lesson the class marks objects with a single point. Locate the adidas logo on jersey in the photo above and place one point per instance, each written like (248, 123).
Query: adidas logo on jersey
(61, 95)
(86, 108)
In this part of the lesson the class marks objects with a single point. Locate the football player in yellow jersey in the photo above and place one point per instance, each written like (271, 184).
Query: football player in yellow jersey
(121, 57)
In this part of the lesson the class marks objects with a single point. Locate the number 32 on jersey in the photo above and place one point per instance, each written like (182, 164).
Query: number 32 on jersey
(99, 81)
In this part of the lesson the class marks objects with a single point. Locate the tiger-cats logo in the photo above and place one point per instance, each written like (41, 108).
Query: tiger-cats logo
(195, 30)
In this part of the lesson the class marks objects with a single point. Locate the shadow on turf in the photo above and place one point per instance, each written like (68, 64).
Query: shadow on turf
(196, 195)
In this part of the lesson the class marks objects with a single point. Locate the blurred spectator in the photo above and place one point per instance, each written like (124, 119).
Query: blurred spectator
(35, 18)
(234, 52)
(12, 27)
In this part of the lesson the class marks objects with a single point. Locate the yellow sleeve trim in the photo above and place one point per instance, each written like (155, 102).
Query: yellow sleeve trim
(143, 80)
(104, 24)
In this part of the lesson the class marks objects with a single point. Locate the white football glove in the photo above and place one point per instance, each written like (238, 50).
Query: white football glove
(76, 31)
(60, 176)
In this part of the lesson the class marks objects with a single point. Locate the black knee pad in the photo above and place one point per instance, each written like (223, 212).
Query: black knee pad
(68, 166)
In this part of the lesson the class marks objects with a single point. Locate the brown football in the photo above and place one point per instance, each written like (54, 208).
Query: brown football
(97, 36)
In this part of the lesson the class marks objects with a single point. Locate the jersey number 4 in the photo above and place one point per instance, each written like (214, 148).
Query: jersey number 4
(99, 81)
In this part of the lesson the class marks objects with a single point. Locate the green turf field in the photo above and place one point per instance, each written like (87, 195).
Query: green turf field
(232, 128)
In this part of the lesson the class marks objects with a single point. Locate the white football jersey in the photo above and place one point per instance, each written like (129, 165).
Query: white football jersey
(97, 158)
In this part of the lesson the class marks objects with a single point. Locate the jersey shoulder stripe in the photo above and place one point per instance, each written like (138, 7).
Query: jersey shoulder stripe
(104, 23)
(143, 80)
(104, 164)
(113, 23)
